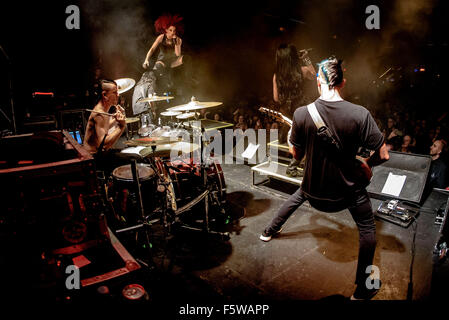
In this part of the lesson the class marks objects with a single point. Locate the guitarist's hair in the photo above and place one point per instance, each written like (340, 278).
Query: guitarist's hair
(288, 73)
(332, 71)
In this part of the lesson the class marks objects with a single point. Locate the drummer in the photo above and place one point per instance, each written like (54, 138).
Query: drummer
(103, 131)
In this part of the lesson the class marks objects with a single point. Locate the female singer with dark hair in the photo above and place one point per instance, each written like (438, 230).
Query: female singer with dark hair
(288, 91)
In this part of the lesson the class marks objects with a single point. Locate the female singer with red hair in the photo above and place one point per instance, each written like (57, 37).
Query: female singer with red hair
(169, 26)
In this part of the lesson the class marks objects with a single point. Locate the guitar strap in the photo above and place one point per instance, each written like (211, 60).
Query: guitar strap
(315, 115)
(323, 131)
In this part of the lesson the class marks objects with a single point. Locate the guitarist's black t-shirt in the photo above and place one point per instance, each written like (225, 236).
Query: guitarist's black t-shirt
(353, 127)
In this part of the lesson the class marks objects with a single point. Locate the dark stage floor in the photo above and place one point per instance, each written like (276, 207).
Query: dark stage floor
(314, 258)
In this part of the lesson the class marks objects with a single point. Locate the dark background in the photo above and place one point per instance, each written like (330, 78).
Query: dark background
(232, 44)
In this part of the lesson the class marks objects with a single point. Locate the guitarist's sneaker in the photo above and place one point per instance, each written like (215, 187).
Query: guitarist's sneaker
(266, 236)
(363, 293)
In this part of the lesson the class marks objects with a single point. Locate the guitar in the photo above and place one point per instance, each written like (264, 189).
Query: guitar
(276, 115)
(362, 173)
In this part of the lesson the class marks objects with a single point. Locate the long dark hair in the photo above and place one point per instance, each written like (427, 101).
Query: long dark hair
(288, 73)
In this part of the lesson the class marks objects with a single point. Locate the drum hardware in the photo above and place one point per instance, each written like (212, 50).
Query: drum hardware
(207, 194)
(141, 225)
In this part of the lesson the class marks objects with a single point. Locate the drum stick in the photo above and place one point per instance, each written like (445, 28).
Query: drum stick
(104, 113)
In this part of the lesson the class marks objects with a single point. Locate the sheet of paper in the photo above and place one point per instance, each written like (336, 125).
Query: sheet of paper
(250, 151)
(394, 184)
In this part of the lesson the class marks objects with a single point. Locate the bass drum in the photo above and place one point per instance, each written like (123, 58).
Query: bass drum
(186, 185)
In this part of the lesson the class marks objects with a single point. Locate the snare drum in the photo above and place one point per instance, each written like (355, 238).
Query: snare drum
(125, 192)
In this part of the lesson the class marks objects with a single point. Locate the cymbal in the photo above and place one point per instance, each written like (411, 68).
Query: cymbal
(132, 119)
(195, 105)
(124, 84)
(151, 141)
(174, 149)
(170, 113)
(155, 98)
(186, 115)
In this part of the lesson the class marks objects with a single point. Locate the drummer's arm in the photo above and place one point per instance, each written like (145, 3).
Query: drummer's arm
(112, 137)
(153, 47)
(178, 43)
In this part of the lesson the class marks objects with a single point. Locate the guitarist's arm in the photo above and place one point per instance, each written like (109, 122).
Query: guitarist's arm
(379, 156)
(297, 153)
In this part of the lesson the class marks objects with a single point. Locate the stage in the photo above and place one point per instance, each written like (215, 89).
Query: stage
(314, 258)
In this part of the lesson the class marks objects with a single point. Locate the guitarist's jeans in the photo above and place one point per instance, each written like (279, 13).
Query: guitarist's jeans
(359, 205)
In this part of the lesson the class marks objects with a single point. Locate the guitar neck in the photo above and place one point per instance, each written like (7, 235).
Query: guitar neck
(276, 115)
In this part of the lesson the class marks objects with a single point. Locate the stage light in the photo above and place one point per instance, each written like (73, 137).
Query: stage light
(37, 93)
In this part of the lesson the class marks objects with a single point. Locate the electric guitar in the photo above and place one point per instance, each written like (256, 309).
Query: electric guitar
(276, 115)
(362, 174)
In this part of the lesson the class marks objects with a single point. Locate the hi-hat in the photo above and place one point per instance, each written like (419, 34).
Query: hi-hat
(186, 115)
(155, 98)
(124, 84)
(170, 113)
(195, 105)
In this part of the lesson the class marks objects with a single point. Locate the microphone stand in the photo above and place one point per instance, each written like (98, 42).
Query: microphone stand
(14, 129)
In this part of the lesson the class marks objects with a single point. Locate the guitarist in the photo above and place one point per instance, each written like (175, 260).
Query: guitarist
(328, 184)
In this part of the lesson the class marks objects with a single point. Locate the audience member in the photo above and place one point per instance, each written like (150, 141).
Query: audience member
(438, 169)
(241, 124)
(407, 144)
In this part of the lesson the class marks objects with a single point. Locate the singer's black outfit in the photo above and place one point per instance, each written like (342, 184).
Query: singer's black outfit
(287, 108)
(326, 185)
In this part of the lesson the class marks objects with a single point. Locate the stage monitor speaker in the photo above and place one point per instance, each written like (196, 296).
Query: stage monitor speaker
(414, 167)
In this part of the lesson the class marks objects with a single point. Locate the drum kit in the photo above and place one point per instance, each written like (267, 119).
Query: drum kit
(163, 179)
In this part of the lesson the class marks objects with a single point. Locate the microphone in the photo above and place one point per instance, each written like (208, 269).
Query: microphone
(305, 50)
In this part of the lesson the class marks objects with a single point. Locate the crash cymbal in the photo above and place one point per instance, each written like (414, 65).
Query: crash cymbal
(155, 98)
(151, 141)
(170, 113)
(124, 84)
(132, 119)
(186, 115)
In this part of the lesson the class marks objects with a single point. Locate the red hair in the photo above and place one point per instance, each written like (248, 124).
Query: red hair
(167, 20)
